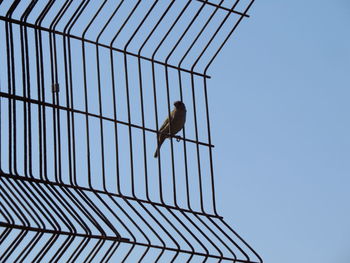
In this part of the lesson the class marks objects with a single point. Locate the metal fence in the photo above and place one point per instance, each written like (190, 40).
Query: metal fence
(84, 88)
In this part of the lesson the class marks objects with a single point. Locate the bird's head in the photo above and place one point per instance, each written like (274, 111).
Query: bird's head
(179, 105)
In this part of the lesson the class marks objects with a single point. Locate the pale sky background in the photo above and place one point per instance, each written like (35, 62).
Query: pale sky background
(280, 123)
(279, 102)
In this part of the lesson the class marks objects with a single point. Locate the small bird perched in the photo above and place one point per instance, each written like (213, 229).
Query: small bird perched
(176, 123)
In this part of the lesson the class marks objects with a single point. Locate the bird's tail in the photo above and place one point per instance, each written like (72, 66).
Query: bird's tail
(160, 142)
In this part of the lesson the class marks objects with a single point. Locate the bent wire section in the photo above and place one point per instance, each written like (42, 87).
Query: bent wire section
(84, 88)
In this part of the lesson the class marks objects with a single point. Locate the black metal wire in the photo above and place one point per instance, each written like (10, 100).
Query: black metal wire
(77, 179)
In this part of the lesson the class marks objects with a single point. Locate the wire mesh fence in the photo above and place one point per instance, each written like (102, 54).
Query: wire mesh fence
(84, 88)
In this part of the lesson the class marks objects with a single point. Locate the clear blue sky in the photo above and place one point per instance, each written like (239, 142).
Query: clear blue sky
(280, 122)
(279, 101)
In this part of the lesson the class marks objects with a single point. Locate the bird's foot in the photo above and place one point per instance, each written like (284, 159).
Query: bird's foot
(178, 138)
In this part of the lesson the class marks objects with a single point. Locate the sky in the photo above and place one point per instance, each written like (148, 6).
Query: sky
(281, 129)
(279, 109)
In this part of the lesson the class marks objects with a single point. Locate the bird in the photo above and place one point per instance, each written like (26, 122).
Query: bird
(172, 126)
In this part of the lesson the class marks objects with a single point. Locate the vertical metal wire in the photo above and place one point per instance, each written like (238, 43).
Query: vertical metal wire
(59, 199)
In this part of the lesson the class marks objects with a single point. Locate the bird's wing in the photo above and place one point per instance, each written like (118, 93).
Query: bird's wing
(165, 125)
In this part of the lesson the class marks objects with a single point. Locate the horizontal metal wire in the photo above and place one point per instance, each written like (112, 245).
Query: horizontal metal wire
(61, 209)
(46, 104)
(49, 231)
(22, 178)
(84, 86)
(224, 8)
(14, 21)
